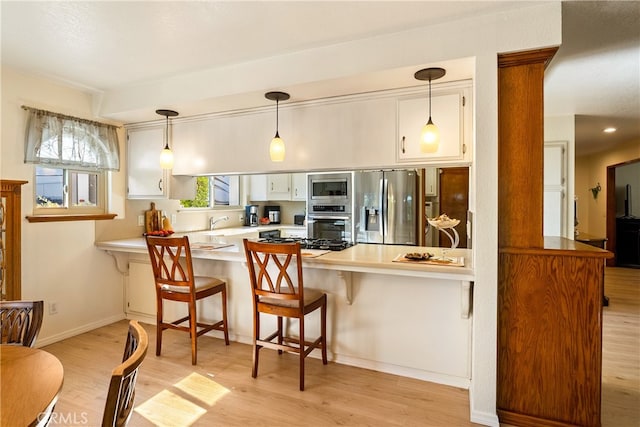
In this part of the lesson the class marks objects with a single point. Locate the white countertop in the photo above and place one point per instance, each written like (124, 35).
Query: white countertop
(367, 258)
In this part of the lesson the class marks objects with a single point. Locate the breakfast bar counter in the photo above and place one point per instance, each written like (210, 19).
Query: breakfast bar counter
(385, 312)
(367, 258)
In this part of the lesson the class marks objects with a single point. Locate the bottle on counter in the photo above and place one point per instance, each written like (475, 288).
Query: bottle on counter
(166, 224)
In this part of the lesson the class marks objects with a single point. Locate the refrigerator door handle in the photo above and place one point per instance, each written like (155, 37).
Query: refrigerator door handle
(384, 197)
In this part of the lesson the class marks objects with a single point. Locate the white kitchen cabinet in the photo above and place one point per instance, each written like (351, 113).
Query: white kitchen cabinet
(279, 186)
(339, 133)
(141, 291)
(344, 133)
(145, 178)
(448, 114)
(258, 188)
(270, 187)
(299, 186)
(431, 176)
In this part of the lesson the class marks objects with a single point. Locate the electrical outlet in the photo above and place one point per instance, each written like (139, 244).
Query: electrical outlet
(140, 220)
(53, 308)
(174, 219)
(241, 218)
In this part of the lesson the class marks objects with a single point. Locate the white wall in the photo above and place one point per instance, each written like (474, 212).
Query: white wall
(591, 169)
(480, 37)
(59, 261)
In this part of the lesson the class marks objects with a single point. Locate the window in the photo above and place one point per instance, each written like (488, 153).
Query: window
(64, 188)
(72, 157)
(215, 192)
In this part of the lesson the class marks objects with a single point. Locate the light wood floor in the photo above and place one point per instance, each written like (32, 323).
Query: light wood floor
(219, 391)
(621, 349)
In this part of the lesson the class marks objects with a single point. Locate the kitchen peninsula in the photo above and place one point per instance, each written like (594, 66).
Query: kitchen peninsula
(403, 318)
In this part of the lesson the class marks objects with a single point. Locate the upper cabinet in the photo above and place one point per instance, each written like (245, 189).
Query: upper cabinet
(270, 187)
(145, 178)
(370, 130)
(278, 187)
(299, 186)
(448, 114)
(342, 133)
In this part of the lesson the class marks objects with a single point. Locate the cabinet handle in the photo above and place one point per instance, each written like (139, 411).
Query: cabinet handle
(160, 185)
(403, 145)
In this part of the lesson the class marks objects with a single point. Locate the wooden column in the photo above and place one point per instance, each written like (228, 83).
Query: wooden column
(520, 147)
(549, 290)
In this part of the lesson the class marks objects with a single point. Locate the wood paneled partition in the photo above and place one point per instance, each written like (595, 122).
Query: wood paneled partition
(10, 240)
(549, 290)
(550, 339)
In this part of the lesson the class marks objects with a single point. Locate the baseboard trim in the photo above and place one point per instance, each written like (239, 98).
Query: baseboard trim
(485, 418)
(403, 371)
(523, 420)
(77, 331)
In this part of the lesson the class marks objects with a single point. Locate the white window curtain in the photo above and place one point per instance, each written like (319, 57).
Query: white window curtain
(57, 140)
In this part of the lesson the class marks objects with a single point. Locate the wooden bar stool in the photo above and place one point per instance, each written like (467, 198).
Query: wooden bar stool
(175, 281)
(281, 292)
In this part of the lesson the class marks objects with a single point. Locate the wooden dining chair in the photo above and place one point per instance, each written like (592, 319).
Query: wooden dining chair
(20, 322)
(175, 281)
(275, 272)
(122, 388)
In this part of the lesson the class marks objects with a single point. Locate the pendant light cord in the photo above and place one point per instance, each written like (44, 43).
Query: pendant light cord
(429, 98)
(277, 117)
(166, 134)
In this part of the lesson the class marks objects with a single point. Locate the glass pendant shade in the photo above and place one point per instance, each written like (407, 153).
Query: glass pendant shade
(429, 138)
(166, 158)
(166, 155)
(276, 149)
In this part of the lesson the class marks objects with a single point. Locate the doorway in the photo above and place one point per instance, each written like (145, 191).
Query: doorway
(454, 198)
(612, 210)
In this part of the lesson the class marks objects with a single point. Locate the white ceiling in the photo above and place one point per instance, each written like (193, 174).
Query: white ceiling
(105, 46)
(595, 75)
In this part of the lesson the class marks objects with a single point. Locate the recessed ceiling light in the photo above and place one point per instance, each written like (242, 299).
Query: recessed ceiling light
(609, 130)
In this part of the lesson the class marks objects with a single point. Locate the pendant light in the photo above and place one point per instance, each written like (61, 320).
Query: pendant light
(276, 149)
(430, 135)
(166, 155)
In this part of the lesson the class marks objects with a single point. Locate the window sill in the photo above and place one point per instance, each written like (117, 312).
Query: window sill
(82, 217)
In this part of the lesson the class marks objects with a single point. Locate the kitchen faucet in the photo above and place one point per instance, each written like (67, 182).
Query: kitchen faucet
(213, 222)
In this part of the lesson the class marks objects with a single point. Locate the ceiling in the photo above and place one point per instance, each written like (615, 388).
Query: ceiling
(104, 46)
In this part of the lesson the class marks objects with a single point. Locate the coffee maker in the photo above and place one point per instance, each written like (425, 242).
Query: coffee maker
(251, 215)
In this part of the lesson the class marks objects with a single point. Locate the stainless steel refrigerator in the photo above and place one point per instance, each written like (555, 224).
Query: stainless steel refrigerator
(386, 209)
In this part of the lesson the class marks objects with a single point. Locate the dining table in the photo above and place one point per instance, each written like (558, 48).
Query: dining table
(30, 382)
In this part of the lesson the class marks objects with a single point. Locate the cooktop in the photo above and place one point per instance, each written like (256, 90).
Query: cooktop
(324, 244)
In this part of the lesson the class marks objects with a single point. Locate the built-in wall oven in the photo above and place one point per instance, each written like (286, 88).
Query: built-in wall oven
(330, 206)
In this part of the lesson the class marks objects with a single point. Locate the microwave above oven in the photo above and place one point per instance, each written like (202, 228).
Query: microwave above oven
(329, 187)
